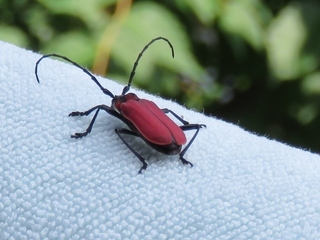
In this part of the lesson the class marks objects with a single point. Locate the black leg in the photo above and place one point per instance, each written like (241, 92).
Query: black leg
(128, 132)
(187, 128)
(166, 110)
(86, 113)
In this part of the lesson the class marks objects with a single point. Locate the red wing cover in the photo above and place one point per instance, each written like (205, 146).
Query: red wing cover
(153, 124)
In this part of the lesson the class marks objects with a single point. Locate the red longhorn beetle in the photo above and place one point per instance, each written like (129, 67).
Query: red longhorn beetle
(144, 118)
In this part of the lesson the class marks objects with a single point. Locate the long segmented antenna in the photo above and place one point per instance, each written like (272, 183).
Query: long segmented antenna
(126, 88)
(104, 90)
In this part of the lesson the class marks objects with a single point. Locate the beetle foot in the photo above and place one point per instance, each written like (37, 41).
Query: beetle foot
(203, 126)
(144, 167)
(185, 162)
(79, 135)
(74, 114)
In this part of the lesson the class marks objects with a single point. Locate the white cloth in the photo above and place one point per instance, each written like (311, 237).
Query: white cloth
(242, 186)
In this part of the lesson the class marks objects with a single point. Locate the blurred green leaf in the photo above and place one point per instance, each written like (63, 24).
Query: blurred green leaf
(89, 11)
(311, 84)
(244, 18)
(13, 35)
(205, 10)
(305, 113)
(75, 45)
(286, 37)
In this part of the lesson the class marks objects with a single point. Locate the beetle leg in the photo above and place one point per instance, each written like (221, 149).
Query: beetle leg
(186, 128)
(166, 111)
(126, 131)
(86, 113)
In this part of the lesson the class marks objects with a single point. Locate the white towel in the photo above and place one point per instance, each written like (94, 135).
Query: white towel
(242, 186)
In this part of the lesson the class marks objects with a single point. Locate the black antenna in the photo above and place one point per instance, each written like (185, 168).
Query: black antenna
(104, 90)
(126, 88)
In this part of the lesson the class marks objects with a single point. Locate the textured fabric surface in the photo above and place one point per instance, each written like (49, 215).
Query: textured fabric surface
(242, 186)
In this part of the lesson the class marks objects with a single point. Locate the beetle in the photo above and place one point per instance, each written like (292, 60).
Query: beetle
(143, 117)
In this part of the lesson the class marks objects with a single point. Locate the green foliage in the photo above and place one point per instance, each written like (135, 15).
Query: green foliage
(286, 37)
(252, 62)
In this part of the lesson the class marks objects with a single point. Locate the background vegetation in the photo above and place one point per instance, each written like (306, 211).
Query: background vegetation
(254, 63)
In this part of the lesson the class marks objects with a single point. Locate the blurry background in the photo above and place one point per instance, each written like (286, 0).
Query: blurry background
(250, 62)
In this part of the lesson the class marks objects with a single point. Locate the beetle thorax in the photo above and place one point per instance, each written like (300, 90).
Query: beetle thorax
(118, 100)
